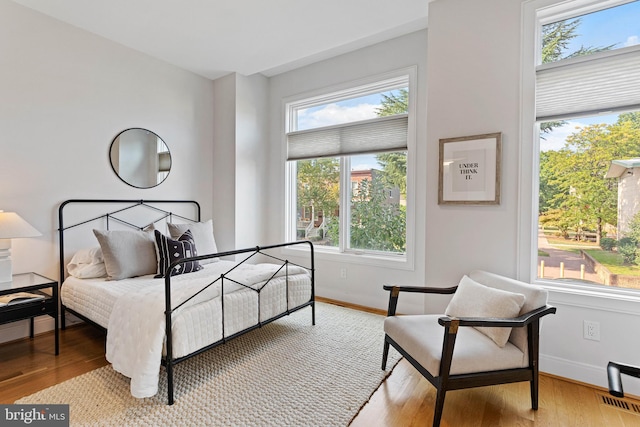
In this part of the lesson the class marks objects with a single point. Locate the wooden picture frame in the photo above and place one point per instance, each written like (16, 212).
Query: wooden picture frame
(469, 170)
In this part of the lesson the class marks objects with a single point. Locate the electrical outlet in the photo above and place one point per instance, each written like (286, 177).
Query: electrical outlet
(591, 330)
(343, 273)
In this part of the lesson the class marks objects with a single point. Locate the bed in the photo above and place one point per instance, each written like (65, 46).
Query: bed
(196, 298)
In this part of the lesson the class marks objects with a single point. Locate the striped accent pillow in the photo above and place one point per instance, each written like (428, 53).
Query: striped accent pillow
(169, 250)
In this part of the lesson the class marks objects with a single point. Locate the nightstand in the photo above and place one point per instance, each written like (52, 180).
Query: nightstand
(36, 284)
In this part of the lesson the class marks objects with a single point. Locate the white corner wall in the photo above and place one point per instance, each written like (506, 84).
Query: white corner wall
(65, 95)
(224, 160)
(363, 284)
(240, 161)
(474, 87)
(252, 166)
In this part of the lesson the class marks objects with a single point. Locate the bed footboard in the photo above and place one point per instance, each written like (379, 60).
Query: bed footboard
(169, 361)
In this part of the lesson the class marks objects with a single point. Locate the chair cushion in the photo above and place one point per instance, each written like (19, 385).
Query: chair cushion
(421, 336)
(534, 297)
(475, 300)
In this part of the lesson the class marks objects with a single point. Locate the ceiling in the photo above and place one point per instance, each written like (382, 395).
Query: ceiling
(216, 37)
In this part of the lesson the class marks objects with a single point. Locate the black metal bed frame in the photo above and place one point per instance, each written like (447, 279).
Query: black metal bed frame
(168, 360)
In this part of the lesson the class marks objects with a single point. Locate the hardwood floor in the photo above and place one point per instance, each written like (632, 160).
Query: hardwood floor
(27, 366)
(404, 399)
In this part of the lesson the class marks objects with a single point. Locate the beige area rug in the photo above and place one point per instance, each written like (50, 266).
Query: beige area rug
(287, 373)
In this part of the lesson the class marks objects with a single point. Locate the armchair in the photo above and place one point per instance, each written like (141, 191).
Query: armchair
(488, 335)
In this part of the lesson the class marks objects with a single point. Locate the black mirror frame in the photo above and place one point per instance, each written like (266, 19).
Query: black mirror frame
(113, 141)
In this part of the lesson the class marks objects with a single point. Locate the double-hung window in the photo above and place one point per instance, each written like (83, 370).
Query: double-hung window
(347, 163)
(588, 113)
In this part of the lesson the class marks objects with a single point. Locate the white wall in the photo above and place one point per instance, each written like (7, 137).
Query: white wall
(252, 166)
(65, 94)
(364, 282)
(474, 87)
(224, 160)
(240, 161)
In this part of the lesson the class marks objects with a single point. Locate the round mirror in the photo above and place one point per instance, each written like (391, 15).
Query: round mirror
(140, 158)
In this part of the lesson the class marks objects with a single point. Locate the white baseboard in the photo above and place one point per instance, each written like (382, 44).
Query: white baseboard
(589, 374)
(18, 330)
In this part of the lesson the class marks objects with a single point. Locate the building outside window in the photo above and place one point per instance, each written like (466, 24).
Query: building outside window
(347, 153)
(588, 111)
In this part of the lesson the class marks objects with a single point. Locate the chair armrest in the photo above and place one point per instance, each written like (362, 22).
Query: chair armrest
(395, 292)
(420, 289)
(510, 322)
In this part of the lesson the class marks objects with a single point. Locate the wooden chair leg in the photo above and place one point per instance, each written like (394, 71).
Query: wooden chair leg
(437, 413)
(385, 354)
(533, 330)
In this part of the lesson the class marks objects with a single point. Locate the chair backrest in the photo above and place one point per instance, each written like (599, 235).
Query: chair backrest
(534, 297)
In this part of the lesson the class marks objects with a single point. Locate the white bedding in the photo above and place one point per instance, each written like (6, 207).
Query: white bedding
(132, 310)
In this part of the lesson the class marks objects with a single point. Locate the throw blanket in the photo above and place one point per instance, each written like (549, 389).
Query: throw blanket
(136, 331)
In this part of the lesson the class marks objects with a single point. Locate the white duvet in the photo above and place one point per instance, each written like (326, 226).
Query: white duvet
(136, 328)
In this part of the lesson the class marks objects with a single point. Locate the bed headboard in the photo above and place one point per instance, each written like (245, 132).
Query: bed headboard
(119, 213)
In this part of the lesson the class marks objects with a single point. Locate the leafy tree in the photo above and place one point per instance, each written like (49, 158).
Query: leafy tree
(394, 103)
(376, 224)
(394, 165)
(632, 119)
(549, 186)
(627, 248)
(575, 174)
(394, 170)
(319, 185)
(634, 228)
(557, 218)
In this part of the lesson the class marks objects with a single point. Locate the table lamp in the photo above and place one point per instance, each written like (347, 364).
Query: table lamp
(11, 226)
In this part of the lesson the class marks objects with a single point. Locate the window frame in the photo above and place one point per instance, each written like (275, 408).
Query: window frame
(536, 13)
(363, 86)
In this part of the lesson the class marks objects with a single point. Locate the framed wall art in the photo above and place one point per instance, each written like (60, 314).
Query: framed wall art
(470, 170)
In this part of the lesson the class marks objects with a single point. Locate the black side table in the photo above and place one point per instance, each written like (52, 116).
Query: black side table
(32, 283)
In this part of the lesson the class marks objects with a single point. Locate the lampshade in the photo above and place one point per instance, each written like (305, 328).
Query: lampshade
(12, 226)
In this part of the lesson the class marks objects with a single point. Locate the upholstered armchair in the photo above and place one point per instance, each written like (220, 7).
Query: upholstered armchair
(489, 334)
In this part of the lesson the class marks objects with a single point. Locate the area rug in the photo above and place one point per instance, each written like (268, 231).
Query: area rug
(287, 373)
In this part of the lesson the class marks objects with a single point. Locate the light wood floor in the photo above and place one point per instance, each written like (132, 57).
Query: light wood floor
(404, 399)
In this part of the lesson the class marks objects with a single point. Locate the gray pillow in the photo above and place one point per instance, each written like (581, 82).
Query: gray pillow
(202, 236)
(127, 253)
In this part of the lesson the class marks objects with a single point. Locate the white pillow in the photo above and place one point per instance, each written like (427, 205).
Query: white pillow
(127, 253)
(202, 236)
(87, 264)
(472, 299)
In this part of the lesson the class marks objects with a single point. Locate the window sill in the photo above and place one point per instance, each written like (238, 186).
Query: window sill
(599, 297)
(399, 262)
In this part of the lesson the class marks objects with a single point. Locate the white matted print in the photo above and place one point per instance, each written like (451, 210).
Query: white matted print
(470, 170)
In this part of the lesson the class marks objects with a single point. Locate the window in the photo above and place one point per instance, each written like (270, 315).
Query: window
(588, 112)
(347, 160)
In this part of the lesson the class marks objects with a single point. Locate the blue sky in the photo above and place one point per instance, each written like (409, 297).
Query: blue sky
(346, 111)
(619, 26)
(349, 110)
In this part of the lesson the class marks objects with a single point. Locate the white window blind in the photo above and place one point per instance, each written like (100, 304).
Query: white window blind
(587, 85)
(381, 134)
